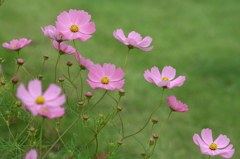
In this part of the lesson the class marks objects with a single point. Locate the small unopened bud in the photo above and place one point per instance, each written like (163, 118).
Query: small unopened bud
(20, 62)
(155, 136)
(32, 129)
(45, 57)
(69, 63)
(121, 92)
(61, 79)
(154, 121)
(19, 104)
(85, 117)
(88, 95)
(7, 112)
(15, 80)
(1, 60)
(119, 108)
(111, 144)
(3, 82)
(40, 77)
(151, 141)
(143, 154)
(101, 116)
(119, 143)
(80, 103)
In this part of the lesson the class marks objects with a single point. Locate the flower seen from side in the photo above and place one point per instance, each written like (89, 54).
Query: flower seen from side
(134, 39)
(75, 24)
(209, 147)
(176, 105)
(165, 79)
(84, 63)
(51, 32)
(47, 104)
(63, 48)
(106, 77)
(16, 44)
(32, 154)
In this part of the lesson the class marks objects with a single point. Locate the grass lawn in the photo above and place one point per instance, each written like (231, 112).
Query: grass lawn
(198, 38)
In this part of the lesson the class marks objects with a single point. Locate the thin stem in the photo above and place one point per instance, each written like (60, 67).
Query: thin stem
(61, 136)
(126, 59)
(148, 118)
(27, 72)
(81, 81)
(42, 67)
(41, 134)
(98, 100)
(55, 70)
(96, 150)
(121, 123)
(112, 97)
(209, 157)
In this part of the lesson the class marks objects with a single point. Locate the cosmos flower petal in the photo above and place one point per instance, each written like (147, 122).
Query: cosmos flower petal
(35, 88)
(207, 136)
(32, 154)
(222, 141)
(168, 72)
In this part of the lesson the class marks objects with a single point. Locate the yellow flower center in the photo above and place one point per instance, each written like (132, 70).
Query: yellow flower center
(213, 146)
(105, 80)
(14, 45)
(74, 28)
(165, 79)
(40, 100)
(45, 110)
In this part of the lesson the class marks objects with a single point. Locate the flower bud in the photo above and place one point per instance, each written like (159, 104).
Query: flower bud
(45, 57)
(101, 116)
(143, 154)
(40, 77)
(3, 82)
(32, 129)
(69, 63)
(154, 121)
(88, 95)
(61, 79)
(7, 112)
(19, 104)
(151, 141)
(15, 80)
(1, 60)
(119, 108)
(121, 92)
(85, 117)
(155, 136)
(20, 62)
(119, 142)
(111, 144)
(80, 103)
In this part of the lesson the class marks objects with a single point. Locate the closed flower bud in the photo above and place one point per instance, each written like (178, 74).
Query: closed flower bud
(19, 104)
(111, 144)
(61, 79)
(151, 141)
(15, 80)
(101, 116)
(121, 92)
(155, 136)
(32, 129)
(45, 57)
(20, 62)
(119, 143)
(154, 121)
(119, 108)
(80, 103)
(88, 95)
(69, 63)
(3, 82)
(85, 117)
(40, 77)
(143, 154)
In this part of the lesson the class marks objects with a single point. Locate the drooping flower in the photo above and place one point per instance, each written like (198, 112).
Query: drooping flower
(75, 24)
(165, 79)
(213, 148)
(176, 105)
(51, 32)
(32, 154)
(106, 77)
(64, 48)
(45, 104)
(134, 39)
(84, 63)
(17, 44)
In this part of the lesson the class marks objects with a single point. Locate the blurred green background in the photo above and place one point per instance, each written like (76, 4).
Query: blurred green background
(201, 39)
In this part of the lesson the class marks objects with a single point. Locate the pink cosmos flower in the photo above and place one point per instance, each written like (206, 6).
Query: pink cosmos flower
(32, 154)
(45, 104)
(75, 24)
(176, 105)
(165, 79)
(64, 48)
(213, 148)
(51, 32)
(106, 77)
(16, 44)
(84, 63)
(134, 39)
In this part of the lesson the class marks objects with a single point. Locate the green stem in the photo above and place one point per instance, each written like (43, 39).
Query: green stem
(55, 70)
(209, 157)
(126, 59)
(42, 67)
(41, 134)
(98, 100)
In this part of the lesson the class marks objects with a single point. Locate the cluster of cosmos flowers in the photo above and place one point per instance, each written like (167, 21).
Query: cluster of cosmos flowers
(76, 24)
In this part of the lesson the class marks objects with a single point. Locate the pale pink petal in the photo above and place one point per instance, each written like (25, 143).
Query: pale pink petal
(88, 28)
(32, 154)
(118, 74)
(24, 95)
(82, 18)
(135, 36)
(162, 83)
(222, 141)
(207, 136)
(116, 84)
(52, 92)
(168, 72)
(145, 42)
(148, 76)
(34, 109)
(177, 82)
(35, 88)
(52, 112)
(108, 69)
(227, 152)
(132, 42)
(84, 37)
(146, 49)
(119, 34)
(198, 141)
(94, 85)
(60, 100)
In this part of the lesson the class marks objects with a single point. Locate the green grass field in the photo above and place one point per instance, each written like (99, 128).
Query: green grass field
(201, 39)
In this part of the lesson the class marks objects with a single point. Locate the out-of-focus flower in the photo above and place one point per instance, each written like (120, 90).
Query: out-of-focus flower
(213, 148)
(75, 24)
(84, 63)
(106, 77)
(45, 104)
(176, 105)
(51, 32)
(16, 44)
(134, 39)
(64, 48)
(32, 154)
(165, 79)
